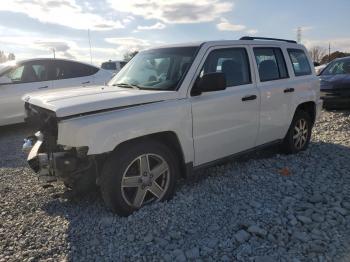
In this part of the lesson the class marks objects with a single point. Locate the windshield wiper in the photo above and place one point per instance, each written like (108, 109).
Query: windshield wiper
(125, 85)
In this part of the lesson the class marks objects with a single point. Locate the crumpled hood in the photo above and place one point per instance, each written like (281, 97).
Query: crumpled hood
(335, 81)
(73, 101)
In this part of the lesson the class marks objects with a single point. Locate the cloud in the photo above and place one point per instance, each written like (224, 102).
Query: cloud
(41, 45)
(156, 26)
(37, 47)
(252, 31)
(175, 11)
(129, 41)
(64, 12)
(225, 25)
(128, 44)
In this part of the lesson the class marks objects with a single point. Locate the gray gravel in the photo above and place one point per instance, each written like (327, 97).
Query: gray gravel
(262, 207)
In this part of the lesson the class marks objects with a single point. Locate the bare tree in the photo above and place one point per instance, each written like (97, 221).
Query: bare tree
(11, 56)
(317, 53)
(4, 57)
(129, 55)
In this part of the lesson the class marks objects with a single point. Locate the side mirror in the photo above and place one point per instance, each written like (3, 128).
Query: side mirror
(5, 80)
(210, 82)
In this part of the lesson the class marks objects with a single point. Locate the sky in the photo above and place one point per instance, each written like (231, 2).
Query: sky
(33, 28)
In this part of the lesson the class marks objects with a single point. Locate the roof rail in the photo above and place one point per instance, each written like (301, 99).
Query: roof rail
(267, 38)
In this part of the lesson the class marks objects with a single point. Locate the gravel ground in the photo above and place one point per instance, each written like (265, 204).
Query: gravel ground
(263, 207)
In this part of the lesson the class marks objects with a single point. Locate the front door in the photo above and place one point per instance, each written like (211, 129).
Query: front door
(26, 78)
(226, 122)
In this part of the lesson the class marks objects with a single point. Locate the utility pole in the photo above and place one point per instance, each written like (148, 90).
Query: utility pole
(329, 52)
(90, 46)
(299, 31)
(54, 53)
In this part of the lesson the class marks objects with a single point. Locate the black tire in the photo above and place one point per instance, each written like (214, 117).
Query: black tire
(120, 161)
(289, 143)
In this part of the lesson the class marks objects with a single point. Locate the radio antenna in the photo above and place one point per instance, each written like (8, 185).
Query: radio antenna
(90, 45)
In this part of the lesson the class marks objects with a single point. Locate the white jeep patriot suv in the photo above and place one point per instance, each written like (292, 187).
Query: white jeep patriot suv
(172, 110)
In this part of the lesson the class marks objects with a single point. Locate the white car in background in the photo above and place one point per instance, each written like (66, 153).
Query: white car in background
(318, 69)
(113, 66)
(26, 76)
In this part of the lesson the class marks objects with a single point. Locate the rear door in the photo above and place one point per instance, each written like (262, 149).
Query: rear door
(226, 122)
(70, 74)
(276, 90)
(26, 78)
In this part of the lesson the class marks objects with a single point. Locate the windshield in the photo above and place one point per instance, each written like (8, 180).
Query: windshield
(337, 68)
(158, 69)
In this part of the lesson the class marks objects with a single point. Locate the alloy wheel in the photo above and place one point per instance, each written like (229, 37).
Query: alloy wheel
(300, 134)
(146, 179)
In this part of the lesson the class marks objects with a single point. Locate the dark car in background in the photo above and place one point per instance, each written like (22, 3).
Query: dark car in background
(335, 84)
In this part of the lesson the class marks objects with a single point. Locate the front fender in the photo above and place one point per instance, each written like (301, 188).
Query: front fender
(102, 132)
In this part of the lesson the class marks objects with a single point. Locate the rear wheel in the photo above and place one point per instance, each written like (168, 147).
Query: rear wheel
(299, 133)
(138, 174)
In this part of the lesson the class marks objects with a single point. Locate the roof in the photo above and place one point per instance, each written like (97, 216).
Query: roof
(47, 58)
(231, 42)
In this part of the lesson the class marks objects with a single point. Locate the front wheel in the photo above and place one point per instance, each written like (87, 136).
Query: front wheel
(138, 174)
(299, 133)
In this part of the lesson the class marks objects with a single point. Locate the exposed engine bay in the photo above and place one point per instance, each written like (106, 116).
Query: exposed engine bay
(48, 159)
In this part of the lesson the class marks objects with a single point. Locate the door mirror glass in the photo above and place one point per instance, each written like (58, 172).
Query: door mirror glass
(210, 82)
(5, 80)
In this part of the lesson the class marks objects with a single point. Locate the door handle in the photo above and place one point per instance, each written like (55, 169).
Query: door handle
(288, 90)
(42, 87)
(87, 82)
(249, 97)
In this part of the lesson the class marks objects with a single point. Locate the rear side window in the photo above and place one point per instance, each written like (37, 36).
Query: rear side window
(109, 66)
(271, 63)
(300, 62)
(68, 69)
(233, 62)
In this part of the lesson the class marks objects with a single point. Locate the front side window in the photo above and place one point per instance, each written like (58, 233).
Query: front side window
(341, 67)
(29, 72)
(16, 74)
(300, 62)
(233, 62)
(156, 69)
(271, 63)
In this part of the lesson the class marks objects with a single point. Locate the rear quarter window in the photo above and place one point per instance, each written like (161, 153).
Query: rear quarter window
(300, 62)
(69, 69)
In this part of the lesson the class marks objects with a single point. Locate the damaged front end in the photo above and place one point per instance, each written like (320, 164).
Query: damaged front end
(50, 160)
